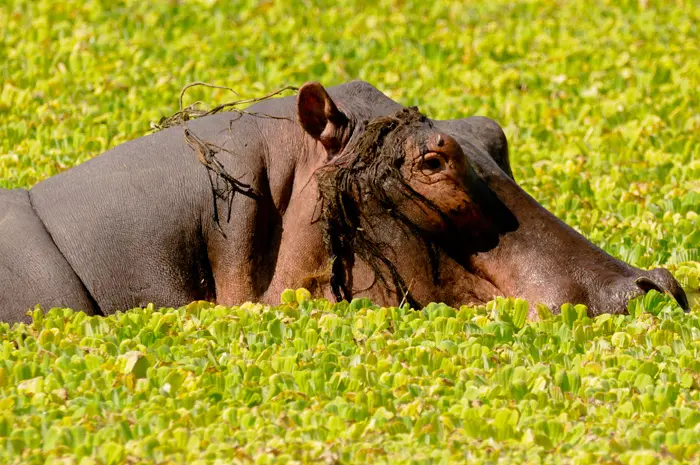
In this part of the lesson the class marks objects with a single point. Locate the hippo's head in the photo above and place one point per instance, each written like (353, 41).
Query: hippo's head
(432, 208)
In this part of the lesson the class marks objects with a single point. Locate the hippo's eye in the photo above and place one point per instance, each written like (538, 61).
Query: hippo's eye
(432, 161)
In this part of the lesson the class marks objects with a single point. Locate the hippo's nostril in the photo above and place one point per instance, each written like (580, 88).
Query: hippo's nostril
(666, 284)
(646, 284)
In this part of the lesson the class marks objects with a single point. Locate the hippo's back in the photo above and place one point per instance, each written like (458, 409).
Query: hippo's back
(32, 270)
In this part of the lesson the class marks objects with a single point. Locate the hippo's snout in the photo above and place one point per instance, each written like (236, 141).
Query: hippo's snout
(545, 261)
(615, 295)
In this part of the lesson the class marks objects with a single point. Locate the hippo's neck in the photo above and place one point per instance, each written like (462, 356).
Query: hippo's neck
(271, 240)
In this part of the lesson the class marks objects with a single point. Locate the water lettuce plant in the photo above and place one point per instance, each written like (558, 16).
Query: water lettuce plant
(599, 102)
(312, 382)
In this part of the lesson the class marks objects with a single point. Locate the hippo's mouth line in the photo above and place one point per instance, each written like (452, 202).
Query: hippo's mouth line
(482, 298)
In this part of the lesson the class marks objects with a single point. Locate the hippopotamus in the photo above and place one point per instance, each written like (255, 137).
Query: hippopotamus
(342, 191)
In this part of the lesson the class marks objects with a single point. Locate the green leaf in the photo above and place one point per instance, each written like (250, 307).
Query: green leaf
(643, 381)
(289, 296)
(520, 312)
(136, 364)
(686, 380)
(543, 312)
(111, 453)
(276, 328)
(302, 295)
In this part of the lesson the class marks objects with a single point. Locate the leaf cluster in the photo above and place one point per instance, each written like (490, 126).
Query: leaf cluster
(308, 381)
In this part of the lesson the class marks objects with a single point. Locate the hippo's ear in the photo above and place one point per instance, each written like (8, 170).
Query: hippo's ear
(320, 117)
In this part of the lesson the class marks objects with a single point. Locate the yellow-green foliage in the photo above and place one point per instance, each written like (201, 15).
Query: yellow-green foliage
(600, 104)
(310, 382)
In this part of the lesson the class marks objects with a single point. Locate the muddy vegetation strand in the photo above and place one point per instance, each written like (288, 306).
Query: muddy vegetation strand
(194, 110)
(358, 181)
(358, 191)
(224, 186)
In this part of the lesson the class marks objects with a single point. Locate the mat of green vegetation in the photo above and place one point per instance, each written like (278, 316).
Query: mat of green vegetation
(600, 104)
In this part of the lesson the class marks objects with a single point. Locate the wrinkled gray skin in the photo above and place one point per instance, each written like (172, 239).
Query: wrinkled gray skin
(136, 225)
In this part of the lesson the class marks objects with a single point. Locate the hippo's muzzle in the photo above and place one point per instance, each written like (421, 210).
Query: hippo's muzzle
(545, 261)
